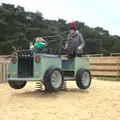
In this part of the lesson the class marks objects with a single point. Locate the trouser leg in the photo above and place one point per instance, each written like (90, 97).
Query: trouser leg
(71, 56)
(79, 55)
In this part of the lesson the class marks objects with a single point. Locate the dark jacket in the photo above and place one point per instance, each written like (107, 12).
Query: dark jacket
(74, 41)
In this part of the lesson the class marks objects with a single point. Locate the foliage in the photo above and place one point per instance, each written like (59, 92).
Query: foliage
(19, 27)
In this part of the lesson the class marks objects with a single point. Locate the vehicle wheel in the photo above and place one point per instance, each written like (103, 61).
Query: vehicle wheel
(83, 78)
(53, 79)
(17, 84)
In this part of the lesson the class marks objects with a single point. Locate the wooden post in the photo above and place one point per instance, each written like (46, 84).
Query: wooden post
(0, 73)
(118, 67)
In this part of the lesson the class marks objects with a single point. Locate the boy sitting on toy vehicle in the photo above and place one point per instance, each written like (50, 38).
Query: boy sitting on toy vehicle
(39, 44)
(75, 44)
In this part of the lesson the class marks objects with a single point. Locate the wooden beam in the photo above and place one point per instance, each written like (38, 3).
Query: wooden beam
(104, 73)
(104, 60)
(104, 67)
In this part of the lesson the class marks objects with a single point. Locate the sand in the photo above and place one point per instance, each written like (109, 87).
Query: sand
(100, 102)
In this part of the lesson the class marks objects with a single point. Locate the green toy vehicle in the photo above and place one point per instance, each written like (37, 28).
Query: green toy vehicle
(51, 70)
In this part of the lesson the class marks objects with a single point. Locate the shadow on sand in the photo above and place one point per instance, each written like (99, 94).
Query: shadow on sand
(44, 94)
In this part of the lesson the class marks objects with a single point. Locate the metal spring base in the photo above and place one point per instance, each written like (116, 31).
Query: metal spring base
(39, 85)
(64, 87)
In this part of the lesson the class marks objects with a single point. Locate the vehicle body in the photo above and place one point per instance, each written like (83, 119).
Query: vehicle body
(51, 70)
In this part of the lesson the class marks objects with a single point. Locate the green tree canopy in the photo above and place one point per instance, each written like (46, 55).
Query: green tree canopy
(19, 27)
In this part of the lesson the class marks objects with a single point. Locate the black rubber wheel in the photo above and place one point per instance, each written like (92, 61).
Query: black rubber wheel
(83, 78)
(53, 79)
(17, 84)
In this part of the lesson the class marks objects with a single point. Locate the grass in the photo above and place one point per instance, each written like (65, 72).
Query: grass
(108, 78)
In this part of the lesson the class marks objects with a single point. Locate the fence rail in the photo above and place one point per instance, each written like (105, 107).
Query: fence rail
(99, 67)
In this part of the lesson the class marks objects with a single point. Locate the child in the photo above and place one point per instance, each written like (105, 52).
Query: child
(40, 43)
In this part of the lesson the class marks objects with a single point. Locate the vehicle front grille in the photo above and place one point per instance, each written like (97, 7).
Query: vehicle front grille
(25, 64)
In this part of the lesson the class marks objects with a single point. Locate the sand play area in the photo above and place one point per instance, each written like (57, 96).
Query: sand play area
(100, 102)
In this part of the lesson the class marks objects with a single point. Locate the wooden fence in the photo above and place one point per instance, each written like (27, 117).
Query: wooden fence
(4, 68)
(105, 66)
(99, 67)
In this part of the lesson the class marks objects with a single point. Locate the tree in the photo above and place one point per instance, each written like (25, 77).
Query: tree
(18, 27)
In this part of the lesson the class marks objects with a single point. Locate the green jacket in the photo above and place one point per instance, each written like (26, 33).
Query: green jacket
(39, 45)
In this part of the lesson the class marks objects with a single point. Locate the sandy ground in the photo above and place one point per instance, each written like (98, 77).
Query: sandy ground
(100, 102)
